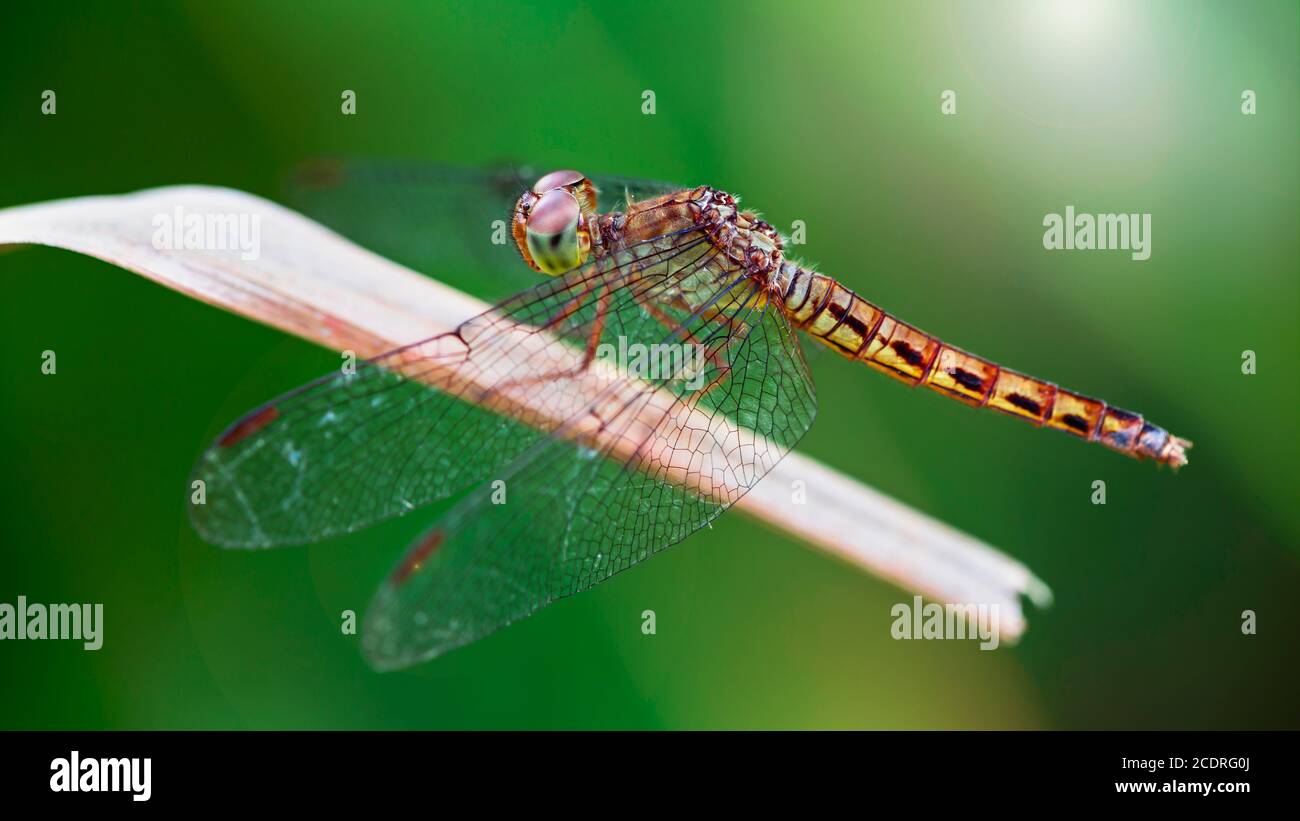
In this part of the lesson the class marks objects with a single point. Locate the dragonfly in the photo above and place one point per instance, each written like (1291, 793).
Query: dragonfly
(590, 421)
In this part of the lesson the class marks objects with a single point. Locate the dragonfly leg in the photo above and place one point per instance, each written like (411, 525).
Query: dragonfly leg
(589, 354)
(716, 358)
(568, 308)
(657, 314)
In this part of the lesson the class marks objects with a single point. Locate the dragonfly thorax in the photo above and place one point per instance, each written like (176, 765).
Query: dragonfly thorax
(741, 236)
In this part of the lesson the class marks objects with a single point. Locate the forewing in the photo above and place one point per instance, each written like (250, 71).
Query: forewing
(353, 448)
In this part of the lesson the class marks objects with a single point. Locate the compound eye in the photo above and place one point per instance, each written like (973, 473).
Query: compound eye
(551, 222)
(557, 179)
(556, 234)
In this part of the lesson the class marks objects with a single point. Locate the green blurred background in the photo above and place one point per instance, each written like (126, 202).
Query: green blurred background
(828, 114)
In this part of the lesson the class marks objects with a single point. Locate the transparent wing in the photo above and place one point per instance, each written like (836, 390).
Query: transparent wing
(437, 219)
(354, 448)
(642, 466)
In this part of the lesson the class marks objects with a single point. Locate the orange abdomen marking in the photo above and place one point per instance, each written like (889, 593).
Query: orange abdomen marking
(842, 320)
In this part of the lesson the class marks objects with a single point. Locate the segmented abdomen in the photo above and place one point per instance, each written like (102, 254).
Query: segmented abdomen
(842, 320)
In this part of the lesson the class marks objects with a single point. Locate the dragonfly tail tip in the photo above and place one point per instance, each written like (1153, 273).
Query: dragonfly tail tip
(1175, 454)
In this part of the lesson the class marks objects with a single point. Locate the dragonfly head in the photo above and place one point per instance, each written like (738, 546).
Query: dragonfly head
(551, 222)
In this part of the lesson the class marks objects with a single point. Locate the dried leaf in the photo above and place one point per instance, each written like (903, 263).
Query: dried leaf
(309, 281)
